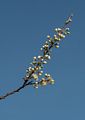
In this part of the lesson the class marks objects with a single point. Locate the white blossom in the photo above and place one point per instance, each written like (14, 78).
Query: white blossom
(50, 40)
(43, 82)
(39, 57)
(55, 36)
(40, 73)
(67, 29)
(35, 85)
(27, 75)
(47, 56)
(35, 58)
(42, 59)
(52, 81)
(30, 69)
(41, 49)
(46, 46)
(27, 70)
(35, 76)
(46, 42)
(61, 35)
(44, 62)
(47, 75)
(58, 29)
(48, 36)
(57, 46)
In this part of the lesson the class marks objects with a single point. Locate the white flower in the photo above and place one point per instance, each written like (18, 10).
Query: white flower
(56, 29)
(30, 69)
(41, 49)
(48, 36)
(43, 82)
(50, 40)
(27, 75)
(39, 57)
(46, 42)
(35, 58)
(47, 75)
(39, 68)
(44, 62)
(47, 57)
(52, 81)
(59, 29)
(57, 46)
(42, 59)
(27, 70)
(68, 32)
(46, 46)
(36, 68)
(67, 29)
(43, 46)
(34, 63)
(57, 38)
(40, 73)
(35, 85)
(61, 35)
(35, 76)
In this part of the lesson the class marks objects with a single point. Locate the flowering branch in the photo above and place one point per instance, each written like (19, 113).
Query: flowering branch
(34, 72)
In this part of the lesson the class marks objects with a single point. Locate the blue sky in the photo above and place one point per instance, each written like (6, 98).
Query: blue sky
(24, 25)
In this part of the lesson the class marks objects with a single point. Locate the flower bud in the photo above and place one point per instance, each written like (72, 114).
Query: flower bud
(30, 69)
(43, 82)
(35, 58)
(47, 75)
(57, 46)
(39, 57)
(40, 73)
(48, 36)
(44, 62)
(35, 76)
(61, 35)
(41, 49)
(47, 57)
(52, 81)
(35, 85)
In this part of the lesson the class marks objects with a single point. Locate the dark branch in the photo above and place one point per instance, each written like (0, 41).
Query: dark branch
(16, 90)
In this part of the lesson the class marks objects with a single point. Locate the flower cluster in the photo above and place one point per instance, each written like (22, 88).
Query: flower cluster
(44, 81)
(36, 68)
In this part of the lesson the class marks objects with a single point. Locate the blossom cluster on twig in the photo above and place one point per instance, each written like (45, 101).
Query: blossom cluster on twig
(35, 70)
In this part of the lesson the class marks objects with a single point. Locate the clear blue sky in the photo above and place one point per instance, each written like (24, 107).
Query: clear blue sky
(24, 25)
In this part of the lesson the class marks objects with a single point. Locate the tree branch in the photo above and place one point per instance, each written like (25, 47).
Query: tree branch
(38, 62)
